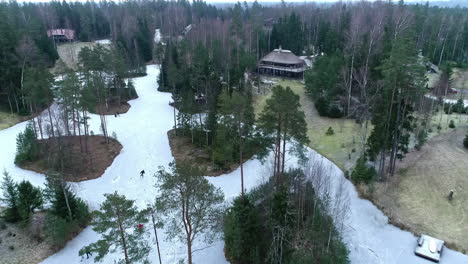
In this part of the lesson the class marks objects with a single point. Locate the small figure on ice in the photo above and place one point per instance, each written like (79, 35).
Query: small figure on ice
(142, 173)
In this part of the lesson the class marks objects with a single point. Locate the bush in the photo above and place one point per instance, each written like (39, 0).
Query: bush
(2, 225)
(362, 172)
(322, 106)
(27, 147)
(465, 141)
(330, 131)
(335, 112)
(57, 230)
(29, 199)
(452, 124)
(421, 138)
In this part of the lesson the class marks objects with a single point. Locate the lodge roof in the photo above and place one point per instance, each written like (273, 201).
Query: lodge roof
(282, 56)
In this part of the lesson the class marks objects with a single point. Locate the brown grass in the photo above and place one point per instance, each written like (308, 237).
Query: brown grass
(80, 166)
(416, 198)
(28, 244)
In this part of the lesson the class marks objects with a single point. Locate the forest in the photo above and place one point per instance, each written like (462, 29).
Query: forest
(371, 62)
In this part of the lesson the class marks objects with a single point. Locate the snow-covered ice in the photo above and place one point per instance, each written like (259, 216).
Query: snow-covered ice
(103, 41)
(446, 100)
(143, 133)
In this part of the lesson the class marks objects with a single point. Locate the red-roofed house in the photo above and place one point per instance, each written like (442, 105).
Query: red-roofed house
(61, 34)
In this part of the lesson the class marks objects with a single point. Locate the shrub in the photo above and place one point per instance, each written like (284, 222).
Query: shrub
(335, 112)
(465, 141)
(11, 247)
(27, 147)
(421, 138)
(322, 106)
(29, 198)
(2, 225)
(452, 124)
(330, 131)
(362, 172)
(57, 230)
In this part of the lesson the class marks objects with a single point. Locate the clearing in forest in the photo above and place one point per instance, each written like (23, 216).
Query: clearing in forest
(343, 147)
(416, 198)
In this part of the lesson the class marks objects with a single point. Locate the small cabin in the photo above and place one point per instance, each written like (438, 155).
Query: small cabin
(61, 35)
(282, 63)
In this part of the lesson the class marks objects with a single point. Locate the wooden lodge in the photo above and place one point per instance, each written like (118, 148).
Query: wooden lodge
(283, 63)
(61, 35)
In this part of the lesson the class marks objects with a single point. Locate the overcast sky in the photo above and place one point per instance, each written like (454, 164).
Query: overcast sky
(250, 1)
(228, 1)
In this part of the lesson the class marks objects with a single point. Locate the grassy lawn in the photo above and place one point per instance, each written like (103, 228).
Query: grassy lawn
(7, 120)
(417, 196)
(68, 54)
(337, 147)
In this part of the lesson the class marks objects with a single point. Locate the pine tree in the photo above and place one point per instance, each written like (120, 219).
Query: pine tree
(283, 121)
(10, 198)
(27, 147)
(29, 199)
(121, 225)
(236, 119)
(403, 85)
(190, 204)
(242, 232)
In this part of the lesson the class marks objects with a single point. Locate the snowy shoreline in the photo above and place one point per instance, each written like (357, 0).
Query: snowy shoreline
(143, 134)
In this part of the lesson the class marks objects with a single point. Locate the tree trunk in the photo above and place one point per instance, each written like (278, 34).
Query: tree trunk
(51, 124)
(124, 242)
(156, 236)
(284, 153)
(189, 250)
(241, 160)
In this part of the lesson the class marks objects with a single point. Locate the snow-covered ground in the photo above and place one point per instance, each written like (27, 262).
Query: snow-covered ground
(448, 101)
(142, 132)
(103, 41)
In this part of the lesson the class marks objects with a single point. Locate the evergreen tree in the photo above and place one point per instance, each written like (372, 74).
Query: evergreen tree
(393, 113)
(10, 198)
(190, 204)
(27, 147)
(241, 232)
(121, 226)
(236, 121)
(283, 121)
(29, 199)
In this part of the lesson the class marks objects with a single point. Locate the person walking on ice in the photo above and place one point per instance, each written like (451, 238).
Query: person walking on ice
(142, 173)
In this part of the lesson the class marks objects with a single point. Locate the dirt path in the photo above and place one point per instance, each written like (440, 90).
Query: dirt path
(417, 196)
